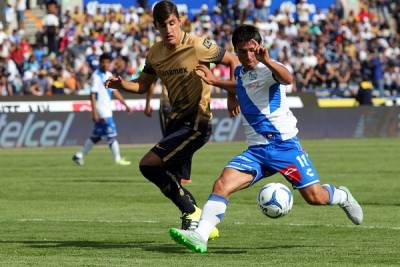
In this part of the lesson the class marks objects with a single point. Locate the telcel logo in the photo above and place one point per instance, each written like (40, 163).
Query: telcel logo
(33, 133)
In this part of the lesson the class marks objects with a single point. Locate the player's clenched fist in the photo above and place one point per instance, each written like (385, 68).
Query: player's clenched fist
(114, 82)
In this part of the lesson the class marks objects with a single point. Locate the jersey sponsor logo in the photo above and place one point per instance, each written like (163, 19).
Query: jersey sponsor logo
(207, 43)
(177, 71)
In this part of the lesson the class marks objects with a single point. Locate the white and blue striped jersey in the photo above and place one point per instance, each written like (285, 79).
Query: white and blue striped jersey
(265, 112)
(103, 94)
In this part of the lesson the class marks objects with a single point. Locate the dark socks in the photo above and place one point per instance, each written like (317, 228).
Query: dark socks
(170, 187)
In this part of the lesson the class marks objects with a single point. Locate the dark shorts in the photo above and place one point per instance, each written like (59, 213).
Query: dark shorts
(179, 144)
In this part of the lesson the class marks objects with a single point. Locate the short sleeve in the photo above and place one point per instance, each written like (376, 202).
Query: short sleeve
(148, 68)
(208, 51)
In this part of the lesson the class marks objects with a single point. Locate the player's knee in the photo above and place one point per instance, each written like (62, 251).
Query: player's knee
(220, 187)
(147, 171)
(152, 174)
(111, 140)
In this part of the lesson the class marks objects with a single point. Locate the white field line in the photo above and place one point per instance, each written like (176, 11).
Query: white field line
(378, 227)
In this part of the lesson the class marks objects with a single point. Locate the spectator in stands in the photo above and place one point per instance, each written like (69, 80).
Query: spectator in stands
(51, 27)
(377, 68)
(13, 75)
(21, 7)
(304, 10)
(342, 76)
(350, 40)
(120, 68)
(392, 80)
(364, 94)
(40, 85)
(241, 8)
(303, 78)
(5, 87)
(261, 7)
(9, 13)
(57, 84)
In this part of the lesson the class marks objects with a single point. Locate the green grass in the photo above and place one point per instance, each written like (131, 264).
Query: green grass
(53, 213)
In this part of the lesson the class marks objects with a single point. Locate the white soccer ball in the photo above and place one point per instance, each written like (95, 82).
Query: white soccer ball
(275, 200)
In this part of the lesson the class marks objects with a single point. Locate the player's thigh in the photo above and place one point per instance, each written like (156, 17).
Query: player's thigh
(151, 159)
(252, 161)
(180, 145)
(184, 170)
(232, 180)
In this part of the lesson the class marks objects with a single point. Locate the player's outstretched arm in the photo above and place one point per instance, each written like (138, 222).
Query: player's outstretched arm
(139, 86)
(207, 76)
(279, 70)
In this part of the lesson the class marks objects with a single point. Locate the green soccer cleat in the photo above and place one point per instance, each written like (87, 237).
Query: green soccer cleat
(189, 239)
(353, 210)
(191, 221)
(123, 162)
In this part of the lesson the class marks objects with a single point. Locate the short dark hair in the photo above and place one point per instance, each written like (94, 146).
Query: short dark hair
(105, 56)
(162, 10)
(245, 33)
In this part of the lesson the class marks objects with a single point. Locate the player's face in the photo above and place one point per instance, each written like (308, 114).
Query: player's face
(170, 30)
(245, 52)
(105, 65)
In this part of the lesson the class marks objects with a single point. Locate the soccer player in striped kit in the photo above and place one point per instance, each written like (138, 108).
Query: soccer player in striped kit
(271, 131)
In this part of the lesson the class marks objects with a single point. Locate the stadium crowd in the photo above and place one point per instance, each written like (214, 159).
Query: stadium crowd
(333, 53)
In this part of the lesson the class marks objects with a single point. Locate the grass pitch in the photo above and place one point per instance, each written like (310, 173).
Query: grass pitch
(53, 213)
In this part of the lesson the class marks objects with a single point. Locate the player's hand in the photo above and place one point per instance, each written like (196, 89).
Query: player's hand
(261, 52)
(95, 117)
(148, 111)
(114, 82)
(205, 74)
(128, 109)
(233, 105)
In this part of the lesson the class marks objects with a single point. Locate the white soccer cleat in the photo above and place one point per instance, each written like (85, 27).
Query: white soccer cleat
(78, 160)
(351, 207)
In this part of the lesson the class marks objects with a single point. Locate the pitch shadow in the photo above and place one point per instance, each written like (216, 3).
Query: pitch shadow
(79, 244)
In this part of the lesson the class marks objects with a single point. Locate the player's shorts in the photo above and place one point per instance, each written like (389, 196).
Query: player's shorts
(177, 147)
(286, 157)
(105, 127)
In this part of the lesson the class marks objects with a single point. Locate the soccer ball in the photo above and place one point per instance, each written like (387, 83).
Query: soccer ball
(275, 200)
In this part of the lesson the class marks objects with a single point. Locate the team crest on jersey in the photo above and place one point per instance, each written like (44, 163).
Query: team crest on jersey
(253, 75)
(207, 43)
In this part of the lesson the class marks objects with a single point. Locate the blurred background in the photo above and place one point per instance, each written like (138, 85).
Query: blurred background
(343, 54)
